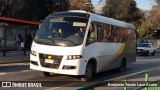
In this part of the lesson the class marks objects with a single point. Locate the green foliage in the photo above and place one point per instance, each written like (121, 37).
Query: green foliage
(125, 10)
(143, 31)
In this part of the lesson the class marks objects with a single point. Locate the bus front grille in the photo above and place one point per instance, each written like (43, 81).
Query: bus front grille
(50, 61)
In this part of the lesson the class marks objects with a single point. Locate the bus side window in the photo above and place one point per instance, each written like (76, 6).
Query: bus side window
(104, 32)
(92, 34)
(100, 33)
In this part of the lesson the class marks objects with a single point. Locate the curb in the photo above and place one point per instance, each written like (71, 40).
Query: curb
(13, 61)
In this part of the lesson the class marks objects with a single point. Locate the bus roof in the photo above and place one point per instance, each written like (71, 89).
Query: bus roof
(111, 21)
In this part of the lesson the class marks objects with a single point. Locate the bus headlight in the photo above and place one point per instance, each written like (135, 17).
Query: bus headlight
(33, 53)
(70, 57)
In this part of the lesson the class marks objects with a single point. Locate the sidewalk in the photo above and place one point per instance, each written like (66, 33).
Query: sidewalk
(13, 57)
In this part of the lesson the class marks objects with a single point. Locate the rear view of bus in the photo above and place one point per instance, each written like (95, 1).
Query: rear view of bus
(58, 46)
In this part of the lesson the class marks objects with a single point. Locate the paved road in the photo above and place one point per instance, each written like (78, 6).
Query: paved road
(21, 72)
(14, 67)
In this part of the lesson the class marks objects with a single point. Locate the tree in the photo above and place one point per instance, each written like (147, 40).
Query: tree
(31, 9)
(143, 31)
(57, 5)
(153, 18)
(4, 7)
(124, 10)
(110, 8)
(28, 9)
(157, 1)
(80, 5)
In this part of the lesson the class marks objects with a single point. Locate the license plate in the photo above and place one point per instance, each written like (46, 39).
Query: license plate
(49, 61)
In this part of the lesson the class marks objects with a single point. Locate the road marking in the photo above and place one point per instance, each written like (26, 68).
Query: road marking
(149, 60)
(27, 70)
(30, 76)
(3, 73)
(12, 64)
(61, 86)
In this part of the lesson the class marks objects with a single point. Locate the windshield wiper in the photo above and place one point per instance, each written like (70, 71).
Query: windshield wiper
(51, 40)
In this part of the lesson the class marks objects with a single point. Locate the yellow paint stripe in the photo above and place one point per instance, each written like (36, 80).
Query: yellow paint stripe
(119, 52)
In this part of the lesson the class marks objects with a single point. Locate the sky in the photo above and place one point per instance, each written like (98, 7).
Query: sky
(143, 4)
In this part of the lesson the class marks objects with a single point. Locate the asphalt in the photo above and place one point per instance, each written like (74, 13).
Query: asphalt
(13, 57)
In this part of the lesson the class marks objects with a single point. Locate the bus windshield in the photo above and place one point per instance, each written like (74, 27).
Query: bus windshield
(62, 31)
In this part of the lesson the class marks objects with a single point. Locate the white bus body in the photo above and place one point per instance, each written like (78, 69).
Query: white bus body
(99, 51)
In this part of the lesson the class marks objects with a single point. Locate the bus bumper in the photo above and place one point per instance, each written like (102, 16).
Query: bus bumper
(68, 67)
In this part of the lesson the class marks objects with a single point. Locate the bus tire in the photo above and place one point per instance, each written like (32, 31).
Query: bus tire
(89, 73)
(46, 74)
(123, 66)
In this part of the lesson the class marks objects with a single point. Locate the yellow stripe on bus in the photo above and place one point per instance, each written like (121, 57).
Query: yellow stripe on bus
(119, 52)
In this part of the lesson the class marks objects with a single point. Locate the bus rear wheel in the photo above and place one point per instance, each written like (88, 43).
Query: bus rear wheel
(89, 73)
(123, 66)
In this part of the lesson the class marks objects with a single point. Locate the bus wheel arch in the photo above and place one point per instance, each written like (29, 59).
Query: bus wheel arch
(90, 70)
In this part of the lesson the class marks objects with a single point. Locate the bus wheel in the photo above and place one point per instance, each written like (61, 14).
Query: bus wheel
(89, 73)
(123, 66)
(46, 74)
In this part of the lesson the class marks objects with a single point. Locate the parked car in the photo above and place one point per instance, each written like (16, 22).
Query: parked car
(146, 48)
